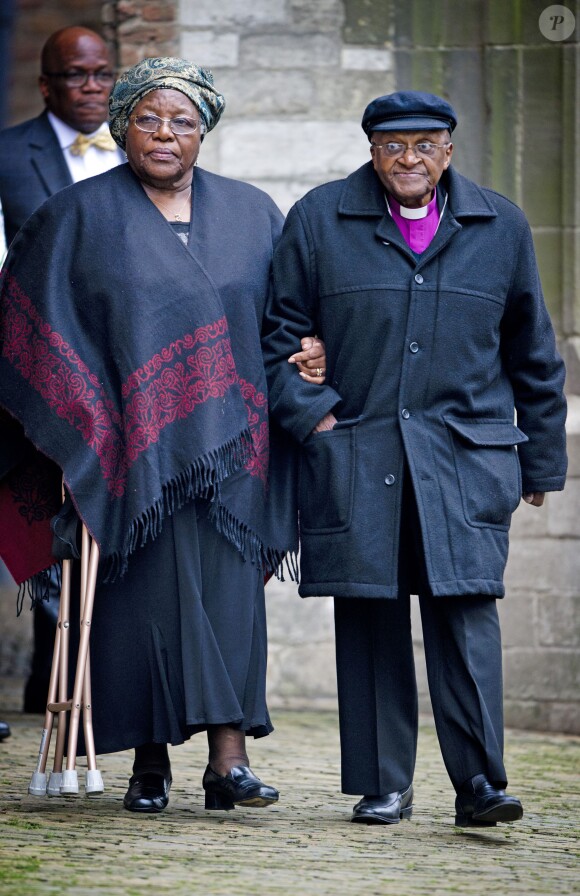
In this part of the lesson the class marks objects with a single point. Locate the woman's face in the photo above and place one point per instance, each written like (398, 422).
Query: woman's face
(163, 159)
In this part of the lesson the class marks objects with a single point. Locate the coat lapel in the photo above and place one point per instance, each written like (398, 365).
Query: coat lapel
(47, 158)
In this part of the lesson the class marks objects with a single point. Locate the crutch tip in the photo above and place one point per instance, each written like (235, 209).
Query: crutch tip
(94, 783)
(37, 786)
(70, 782)
(54, 784)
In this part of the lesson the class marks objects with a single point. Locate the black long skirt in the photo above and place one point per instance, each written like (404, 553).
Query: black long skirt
(179, 643)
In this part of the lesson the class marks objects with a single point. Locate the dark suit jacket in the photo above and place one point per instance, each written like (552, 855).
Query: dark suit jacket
(32, 168)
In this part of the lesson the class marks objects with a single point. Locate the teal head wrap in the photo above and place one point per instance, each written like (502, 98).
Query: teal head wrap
(163, 72)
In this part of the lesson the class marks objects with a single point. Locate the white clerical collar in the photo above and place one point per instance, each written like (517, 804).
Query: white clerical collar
(413, 214)
(67, 135)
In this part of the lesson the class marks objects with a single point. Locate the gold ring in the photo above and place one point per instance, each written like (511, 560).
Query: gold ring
(319, 371)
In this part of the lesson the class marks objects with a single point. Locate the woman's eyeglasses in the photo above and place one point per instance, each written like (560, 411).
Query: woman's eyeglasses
(179, 125)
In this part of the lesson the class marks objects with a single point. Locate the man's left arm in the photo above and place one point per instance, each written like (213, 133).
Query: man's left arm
(537, 374)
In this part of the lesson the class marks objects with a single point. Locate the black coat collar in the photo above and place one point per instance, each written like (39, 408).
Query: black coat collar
(364, 195)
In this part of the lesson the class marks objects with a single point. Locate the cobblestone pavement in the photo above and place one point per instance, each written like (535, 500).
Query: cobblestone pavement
(303, 845)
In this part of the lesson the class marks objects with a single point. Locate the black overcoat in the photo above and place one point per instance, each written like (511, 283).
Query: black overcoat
(429, 359)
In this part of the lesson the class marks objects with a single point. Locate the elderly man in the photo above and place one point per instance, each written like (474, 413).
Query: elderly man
(425, 289)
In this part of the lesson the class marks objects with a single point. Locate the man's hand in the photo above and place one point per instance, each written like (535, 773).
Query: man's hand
(535, 498)
(311, 361)
(327, 422)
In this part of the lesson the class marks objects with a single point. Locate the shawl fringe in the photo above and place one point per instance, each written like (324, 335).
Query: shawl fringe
(200, 480)
(292, 566)
(37, 587)
(251, 546)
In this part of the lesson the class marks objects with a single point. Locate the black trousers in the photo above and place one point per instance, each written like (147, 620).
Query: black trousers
(377, 690)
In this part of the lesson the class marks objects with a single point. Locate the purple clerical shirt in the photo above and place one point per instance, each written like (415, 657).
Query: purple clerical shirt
(417, 225)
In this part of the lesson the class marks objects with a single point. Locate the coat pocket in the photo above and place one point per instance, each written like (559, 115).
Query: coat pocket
(488, 469)
(326, 488)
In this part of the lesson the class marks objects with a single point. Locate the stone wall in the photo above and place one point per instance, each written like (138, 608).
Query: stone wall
(297, 75)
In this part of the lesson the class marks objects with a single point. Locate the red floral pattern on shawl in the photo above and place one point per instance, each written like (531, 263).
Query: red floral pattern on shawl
(184, 374)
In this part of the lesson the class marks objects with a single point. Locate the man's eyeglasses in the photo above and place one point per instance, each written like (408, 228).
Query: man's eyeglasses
(80, 78)
(181, 125)
(420, 150)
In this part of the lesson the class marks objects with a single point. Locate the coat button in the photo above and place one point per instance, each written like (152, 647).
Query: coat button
(405, 414)
(390, 479)
(414, 347)
(418, 278)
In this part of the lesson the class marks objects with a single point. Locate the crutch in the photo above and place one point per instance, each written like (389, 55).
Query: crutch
(38, 784)
(81, 698)
(59, 782)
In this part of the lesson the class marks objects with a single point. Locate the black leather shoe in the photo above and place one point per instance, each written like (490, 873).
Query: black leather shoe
(148, 792)
(4, 730)
(480, 803)
(239, 787)
(388, 808)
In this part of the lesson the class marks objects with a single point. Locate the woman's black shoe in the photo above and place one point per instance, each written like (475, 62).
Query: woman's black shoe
(148, 792)
(239, 787)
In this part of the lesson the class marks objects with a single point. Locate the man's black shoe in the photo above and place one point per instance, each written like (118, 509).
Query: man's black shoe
(480, 803)
(4, 730)
(388, 808)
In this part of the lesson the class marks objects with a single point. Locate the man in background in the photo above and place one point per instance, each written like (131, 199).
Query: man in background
(68, 142)
(70, 139)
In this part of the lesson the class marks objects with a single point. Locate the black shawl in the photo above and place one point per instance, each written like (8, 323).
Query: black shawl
(133, 362)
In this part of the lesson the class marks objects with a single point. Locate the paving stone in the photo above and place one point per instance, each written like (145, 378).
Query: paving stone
(305, 845)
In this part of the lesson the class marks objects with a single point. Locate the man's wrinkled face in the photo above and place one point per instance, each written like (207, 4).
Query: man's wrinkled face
(409, 164)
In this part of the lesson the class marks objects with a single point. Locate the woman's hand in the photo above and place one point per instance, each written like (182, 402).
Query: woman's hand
(311, 361)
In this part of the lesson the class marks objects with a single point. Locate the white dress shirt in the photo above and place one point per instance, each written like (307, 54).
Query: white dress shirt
(94, 161)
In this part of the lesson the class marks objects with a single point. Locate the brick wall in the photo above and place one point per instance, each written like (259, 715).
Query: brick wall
(140, 28)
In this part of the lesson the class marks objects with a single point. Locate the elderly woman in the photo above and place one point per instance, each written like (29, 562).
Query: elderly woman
(131, 314)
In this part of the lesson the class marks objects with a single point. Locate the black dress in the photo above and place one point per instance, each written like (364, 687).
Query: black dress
(179, 643)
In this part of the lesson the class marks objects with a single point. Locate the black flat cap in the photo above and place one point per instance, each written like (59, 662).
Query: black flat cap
(408, 110)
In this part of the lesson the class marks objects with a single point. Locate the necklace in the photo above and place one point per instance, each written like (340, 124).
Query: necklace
(177, 214)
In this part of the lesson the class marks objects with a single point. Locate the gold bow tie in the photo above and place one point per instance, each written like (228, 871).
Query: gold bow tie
(82, 143)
